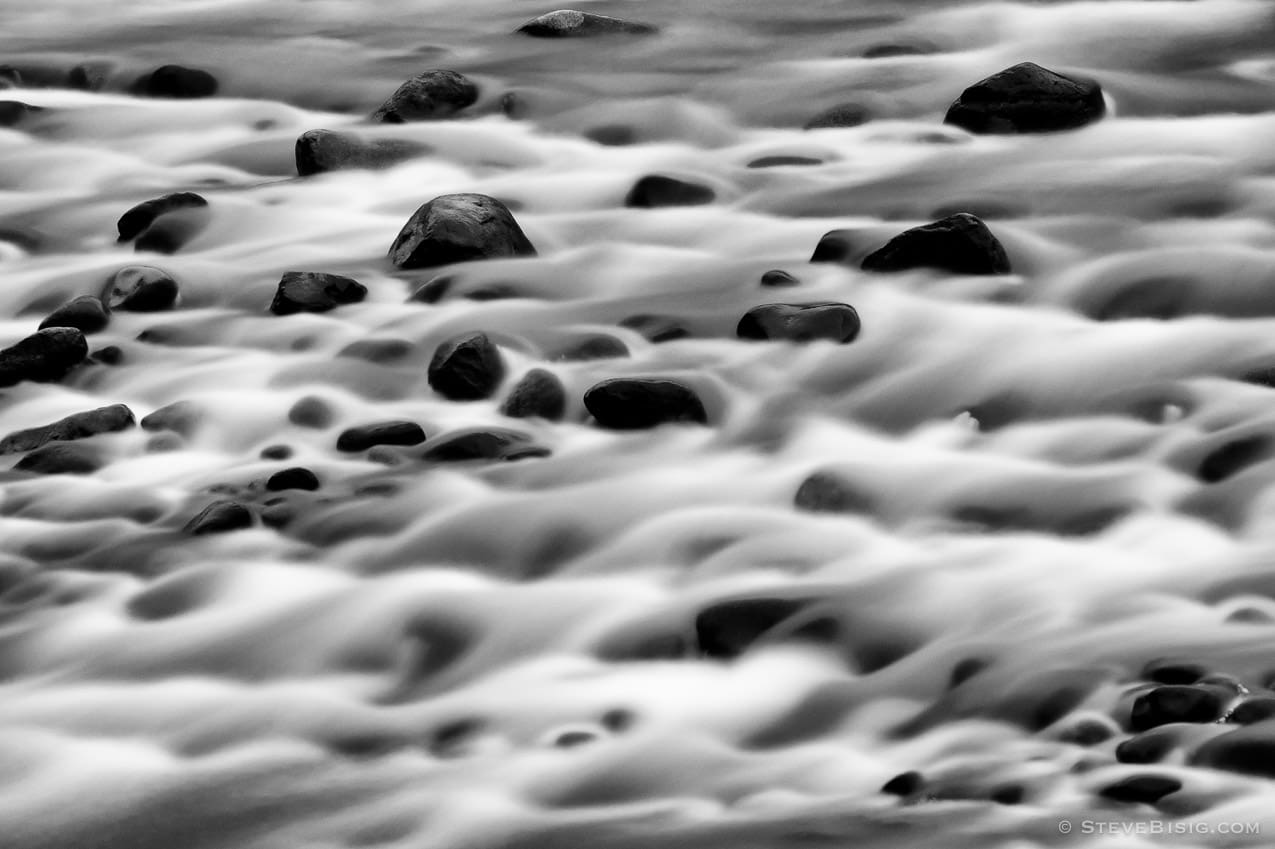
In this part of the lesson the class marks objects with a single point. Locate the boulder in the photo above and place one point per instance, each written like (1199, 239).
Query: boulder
(538, 394)
(960, 244)
(75, 426)
(570, 23)
(175, 81)
(657, 190)
(428, 96)
(140, 288)
(318, 151)
(315, 291)
(459, 228)
(135, 222)
(634, 403)
(220, 517)
(832, 322)
(363, 437)
(85, 313)
(44, 357)
(841, 115)
(1027, 99)
(466, 368)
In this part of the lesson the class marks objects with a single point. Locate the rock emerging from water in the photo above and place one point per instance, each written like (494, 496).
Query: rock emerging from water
(297, 477)
(135, 222)
(538, 394)
(596, 346)
(86, 314)
(44, 357)
(960, 244)
(825, 492)
(318, 151)
(140, 288)
(570, 23)
(428, 96)
(833, 322)
(1173, 703)
(459, 228)
(181, 417)
(220, 517)
(657, 190)
(484, 444)
(1027, 99)
(637, 403)
(1249, 750)
(315, 291)
(466, 368)
(841, 115)
(363, 437)
(777, 278)
(835, 246)
(176, 81)
(109, 419)
(61, 459)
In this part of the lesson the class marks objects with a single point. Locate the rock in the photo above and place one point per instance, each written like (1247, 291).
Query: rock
(380, 351)
(85, 313)
(363, 437)
(76, 426)
(613, 135)
(1146, 789)
(135, 222)
(220, 517)
(726, 629)
(835, 246)
(1149, 747)
(778, 278)
(1088, 731)
(111, 355)
(319, 151)
(1233, 457)
(656, 190)
(597, 346)
(960, 244)
(181, 417)
(1249, 750)
(632, 403)
(887, 50)
(485, 444)
(44, 357)
(824, 492)
(88, 76)
(459, 228)
(140, 288)
(298, 477)
(904, 784)
(276, 452)
(831, 322)
(841, 115)
(1010, 794)
(538, 394)
(315, 291)
(784, 161)
(433, 290)
(173, 231)
(428, 96)
(176, 82)
(1027, 99)
(14, 112)
(312, 412)
(964, 670)
(569, 23)
(466, 368)
(61, 458)
(657, 328)
(1172, 671)
(1175, 703)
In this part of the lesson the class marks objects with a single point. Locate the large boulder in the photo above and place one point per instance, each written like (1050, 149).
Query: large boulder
(459, 228)
(75, 426)
(1027, 99)
(315, 291)
(318, 151)
(135, 222)
(44, 357)
(636, 403)
(570, 23)
(960, 244)
(833, 322)
(428, 96)
(466, 368)
(176, 81)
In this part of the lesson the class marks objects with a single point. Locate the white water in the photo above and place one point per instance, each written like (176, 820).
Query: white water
(276, 690)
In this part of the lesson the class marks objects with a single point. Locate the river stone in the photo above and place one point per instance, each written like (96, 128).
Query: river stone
(75, 426)
(657, 190)
(85, 313)
(825, 492)
(135, 222)
(44, 357)
(570, 23)
(960, 244)
(312, 412)
(1027, 99)
(181, 417)
(483, 444)
(1176, 703)
(777, 278)
(466, 368)
(175, 81)
(1146, 789)
(315, 291)
(363, 437)
(835, 246)
(459, 228)
(318, 151)
(596, 346)
(841, 115)
(428, 96)
(1249, 750)
(140, 288)
(832, 322)
(904, 784)
(635, 403)
(61, 458)
(298, 477)
(538, 394)
(726, 629)
(218, 518)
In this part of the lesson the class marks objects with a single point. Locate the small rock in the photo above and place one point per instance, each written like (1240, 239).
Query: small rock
(1146, 789)
(311, 411)
(1174, 703)
(1088, 731)
(466, 368)
(276, 452)
(315, 291)
(135, 222)
(656, 190)
(61, 458)
(613, 135)
(363, 437)
(835, 246)
(832, 322)
(569, 23)
(173, 231)
(428, 96)
(1249, 750)
(297, 477)
(778, 278)
(538, 394)
(889, 50)
(380, 351)
(1010, 794)
(841, 115)
(459, 228)
(1149, 747)
(960, 244)
(320, 151)
(784, 161)
(14, 112)
(218, 518)
(88, 76)
(176, 82)
(111, 355)
(486, 444)
(1233, 457)
(1170, 671)
(433, 290)
(1027, 99)
(657, 328)
(904, 784)
(85, 313)
(597, 346)
(824, 492)
(181, 417)
(76, 426)
(140, 288)
(1253, 710)
(629, 403)
(44, 357)
(727, 629)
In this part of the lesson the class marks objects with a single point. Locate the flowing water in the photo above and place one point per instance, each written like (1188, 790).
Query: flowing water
(504, 654)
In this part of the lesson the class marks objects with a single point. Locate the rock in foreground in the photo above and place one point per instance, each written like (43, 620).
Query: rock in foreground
(75, 426)
(135, 222)
(315, 291)
(44, 357)
(466, 368)
(539, 393)
(1027, 99)
(634, 403)
(85, 313)
(459, 228)
(960, 244)
(428, 96)
(570, 23)
(656, 190)
(833, 322)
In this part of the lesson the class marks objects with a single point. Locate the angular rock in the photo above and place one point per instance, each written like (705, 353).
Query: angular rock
(135, 222)
(428, 96)
(297, 477)
(960, 244)
(181, 417)
(485, 444)
(75, 426)
(175, 81)
(85, 313)
(459, 228)
(140, 288)
(777, 278)
(657, 190)
(61, 458)
(44, 357)
(597, 346)
(570, 23)
(466, 368)
(635, 403)
(841, 115)
(726, 629)
(1175, 703)
(319, 151)
(312, 412)
(538, 394)
(824, 492)
(832, 322)
(220, 517)
(835, 246)
(1027, 99)
(315, 291)
(363, 437)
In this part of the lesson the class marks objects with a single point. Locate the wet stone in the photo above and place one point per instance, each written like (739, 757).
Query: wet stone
(111, 355)
(140, 288)
(1249, 750)
(904, 784)
(315, 292)
(1170, 671)
(320, 151)
(825, 492)
(726, 629)
(657, 328)
(841, 115)
(778, 278)
(784, 161)
(312, 412)
(835, 246)
(657, 190)
(176, 81)
(1175, 703)
(830, 322)
(1232, 458)
(44, 357)
(218, 518)
(86, 314)
(639, 403)
(466, 368)
(484, 444)
(1146, 789)
(1253, 710)
(181, 417)
(459, 228)
(1027, 99)
(297, 477)
(1088, 731)
(428, 96)
(570, 23)
(136, 220)
(83, 425)
(61, 458)
(959, 244)
(538, 394)
(276, 452)
(598, 346)
(381, 351)
(363, 437)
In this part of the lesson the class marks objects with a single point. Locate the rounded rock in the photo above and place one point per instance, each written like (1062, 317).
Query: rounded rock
(466, 368)
(638, 403)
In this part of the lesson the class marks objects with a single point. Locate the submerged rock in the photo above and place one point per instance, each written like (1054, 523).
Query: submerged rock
(1175, 703)
(181, 417)
(14, 112)
(597, 346)
(833, 322)
(85, 313)
(311, 411)
(363, 437)
(657, 190)
(220, 517)
(315, 291)
(135, 222)
(428, 96)
(635, 403)
(44, 357)
(483, 444)
(825, 492)
(318, 151)
(381, 351)
(297, 477)
(75, 426)
(781, 161)
(466, 368)
(1147, 789)
(841, 115)
(61, 458)
(140, 288)
(459, 228)
(777, 278)
(538, 394)
(175, 81)
(726, 629)
(1233, 457)
(570, 23)
(835, 246)
(960, 244)
(657, 328)
(1027, 99)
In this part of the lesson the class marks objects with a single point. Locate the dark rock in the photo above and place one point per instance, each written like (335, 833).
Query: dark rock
(1087, 731)
(14, 112)
(1027, 99)
(726, 629)
(88, 76)
(964, 670)
(428, 96)
(635, 403)
(778, 278)
(495, 292)
(181, 417)
(904, 784)
(899, 48)
(315, 291)
(1149, 747)
(1253, 710)
(783, 161)
(656, 190)
(276, 452)
(573, 738)
(297, 477)
(135, 222)
(140, 288)
(311, 411)
(85, 313)
(835, 246)
(830, 322)
(1249, 750)
(76, 426)
(363, 437)
(569, 23)
(1171, 671)
(319, 151)
(111, 355)
(176, 82)
(514, 105)
(538, 394)
(1146, 789)
(1175, 703)
(657, 328)
(433, 290)
(824, 492)
(218, 518)
(612, 135)
(466, 368)
(486, 444)
(841, 115)
(1010, 794)
(61, 458)
(45, 356)
(598, 346)
(378, 350)
(960, 244)
(170, 233)
(1233, 457)
(459, 228)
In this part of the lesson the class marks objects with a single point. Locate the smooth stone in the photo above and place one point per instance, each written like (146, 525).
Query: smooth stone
(1172, 671)
(778, 278)
(320, 151)
(484, 444)
(780, 161)
(428, 96)
(835, 246)
(1249, 750)
(136, 221)
(1027, 99)
(315, 291)
(841, 115)
(181, 417)
(1253, 710)
(657, 328)
(297, 477)
(378, 350)
(825, 492)
(276, 452)
(466, 368)
(1173, 703)
(831, 322)
(1145, 789)
(111, 355)
(311, 411)
(657, 190)
(904, 784)
(363, 437)
(1148, 747)
(83, 425)
(628, 403)
(597, 346)
(218, 518)
(434, 290)
(960, 244)
(175, 81)
(571, 23)
(140, 288)
(966, 669)
(171, 232)
(725, 630)
(61, 458)
(1233, 457)
(46, 356)
(1088, 731)
(86, 314)
(459, 228)
(538, 394)
(612, 135)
